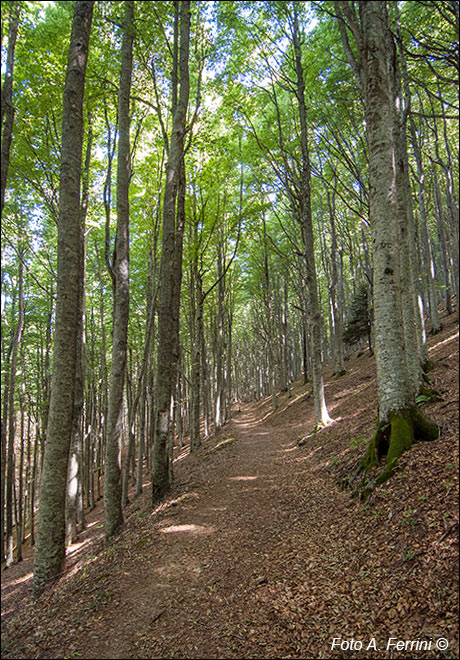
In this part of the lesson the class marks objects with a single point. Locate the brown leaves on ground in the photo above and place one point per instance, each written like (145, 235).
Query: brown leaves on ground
(258, 553)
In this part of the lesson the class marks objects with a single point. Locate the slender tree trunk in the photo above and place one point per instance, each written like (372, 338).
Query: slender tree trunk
(305, 221)
(427, 251)
(269, 334)
(169, 290)
(10, 477)
(5, 403)
(428, 262)
(7, 111)
(196, 362)
(442, 243)
(132, 410)
(337, 288)
(112, 474)
(74, 473)
(50, 550)
(33, 485)
(19, 519)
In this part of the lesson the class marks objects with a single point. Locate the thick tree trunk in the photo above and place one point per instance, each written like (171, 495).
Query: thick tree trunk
(399, 419)
(112, 473)
(50, 550)
(393, 380)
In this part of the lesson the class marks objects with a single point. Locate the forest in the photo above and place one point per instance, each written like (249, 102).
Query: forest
(229, 330)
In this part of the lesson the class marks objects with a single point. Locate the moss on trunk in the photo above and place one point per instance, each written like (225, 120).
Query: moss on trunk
(392, 439)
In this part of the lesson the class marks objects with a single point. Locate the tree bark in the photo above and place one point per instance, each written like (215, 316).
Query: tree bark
(305, 221)
(50, 550)
(169, 289)
(112, 473)
(7, 112)
(400, 422)
(74, 508)
(10, 474)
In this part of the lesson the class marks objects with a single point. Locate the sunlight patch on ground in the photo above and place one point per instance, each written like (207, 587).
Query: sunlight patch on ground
(180, 458)
(227, 441)
(192, 529)
(312, 453)
(445, 341)
(293, 400)
(75, 547)
(352, 391)
(182, 455)
(20, 580)
(165, 505)
(89, 525)
(289, 449)
(248, 424)
(317, 431)
(242, 478)
(185, 496)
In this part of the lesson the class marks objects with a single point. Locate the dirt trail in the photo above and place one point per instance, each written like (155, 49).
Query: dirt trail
(211, 553)
(256, 552)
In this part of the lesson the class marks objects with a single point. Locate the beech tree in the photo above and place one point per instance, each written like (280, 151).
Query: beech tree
(120, 267)
(7, 112)
(171, 258)
(50, 549)
(400, 421)
(252, 159)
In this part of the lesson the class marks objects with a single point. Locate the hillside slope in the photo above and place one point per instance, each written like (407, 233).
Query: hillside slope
(258, 553)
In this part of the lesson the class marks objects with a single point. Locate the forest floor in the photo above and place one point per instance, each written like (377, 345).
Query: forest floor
(257, 552)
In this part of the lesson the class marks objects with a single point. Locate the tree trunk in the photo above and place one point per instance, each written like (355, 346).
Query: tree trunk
(74, 509)
(112, 473)
(10, 479)
(196, 310)
(442, 243)
(337, 291)
(400, 422)
(169, 290)
(50, 550)
(7, 112)
(305, 221)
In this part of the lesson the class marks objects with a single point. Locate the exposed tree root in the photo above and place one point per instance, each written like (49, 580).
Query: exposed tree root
(390, 440)
(427, 393)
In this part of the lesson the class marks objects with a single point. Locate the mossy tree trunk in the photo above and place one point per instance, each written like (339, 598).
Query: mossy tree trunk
(400, 421)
